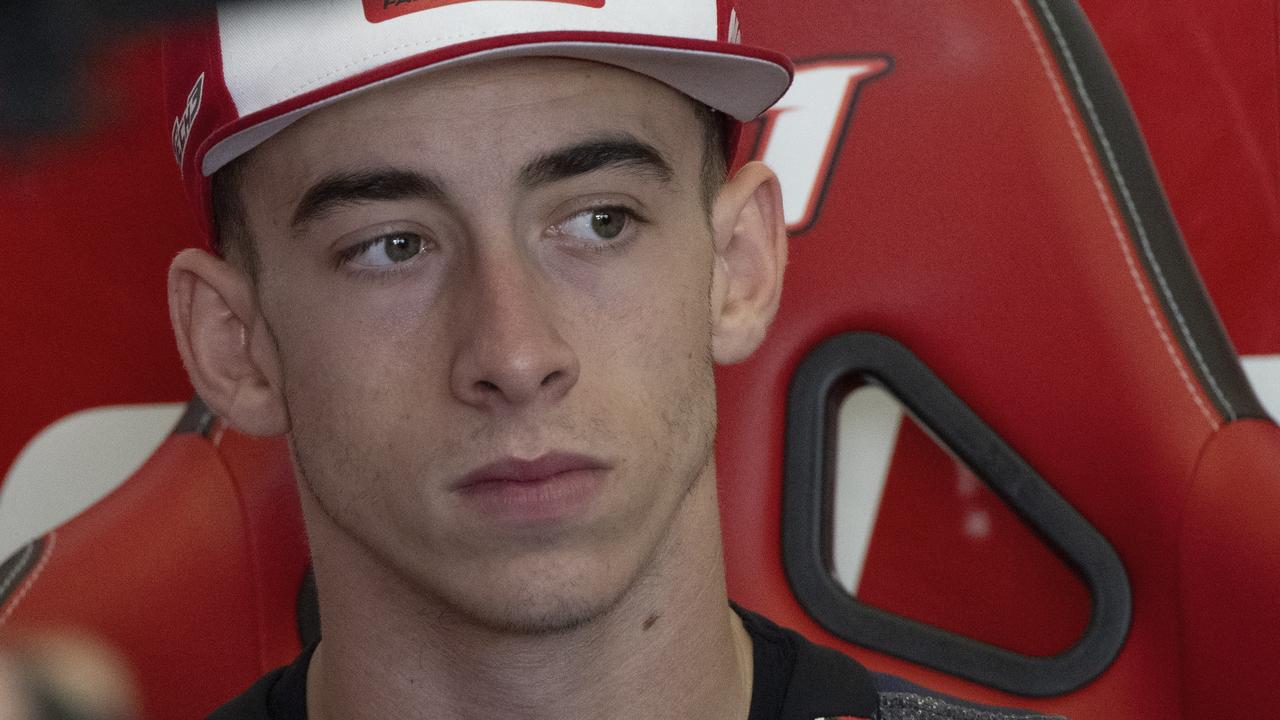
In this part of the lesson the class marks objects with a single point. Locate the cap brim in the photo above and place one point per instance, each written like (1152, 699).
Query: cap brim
(739, 81)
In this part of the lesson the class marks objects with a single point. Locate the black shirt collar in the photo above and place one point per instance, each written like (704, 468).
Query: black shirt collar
(796, 679)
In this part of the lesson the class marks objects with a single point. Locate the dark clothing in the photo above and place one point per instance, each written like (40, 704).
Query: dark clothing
(794, 679)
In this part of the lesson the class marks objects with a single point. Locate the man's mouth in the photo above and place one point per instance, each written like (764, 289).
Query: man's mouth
(551, 487)
(513, 470)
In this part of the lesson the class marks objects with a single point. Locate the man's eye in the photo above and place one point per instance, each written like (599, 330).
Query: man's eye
(385, 251)
(597, 225)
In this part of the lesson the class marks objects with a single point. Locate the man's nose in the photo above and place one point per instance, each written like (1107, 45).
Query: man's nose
(511, 352)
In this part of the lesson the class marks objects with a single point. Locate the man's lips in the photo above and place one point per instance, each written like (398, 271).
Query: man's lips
(532, 493)
(516, 471)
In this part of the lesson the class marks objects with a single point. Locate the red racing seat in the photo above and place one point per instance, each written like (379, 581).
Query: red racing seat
(990, 244)
(191, 568)
(979, 233)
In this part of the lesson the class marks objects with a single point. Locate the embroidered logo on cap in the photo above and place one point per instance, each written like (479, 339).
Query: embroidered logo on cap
(182, 124)
(375, 11)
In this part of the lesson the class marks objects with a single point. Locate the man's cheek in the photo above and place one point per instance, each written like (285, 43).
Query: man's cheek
(334, 400)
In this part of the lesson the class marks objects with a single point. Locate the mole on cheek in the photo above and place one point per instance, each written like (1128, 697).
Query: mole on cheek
(648, 623)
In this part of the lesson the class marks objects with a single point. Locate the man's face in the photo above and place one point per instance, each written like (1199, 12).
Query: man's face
(494, 264)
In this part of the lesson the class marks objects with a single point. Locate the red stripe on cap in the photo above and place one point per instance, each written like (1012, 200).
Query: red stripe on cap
(191, 51)
(376, 11)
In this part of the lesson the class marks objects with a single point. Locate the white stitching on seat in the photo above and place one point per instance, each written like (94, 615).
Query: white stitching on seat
(1094, 173)
(35, 575)
(1147, 250)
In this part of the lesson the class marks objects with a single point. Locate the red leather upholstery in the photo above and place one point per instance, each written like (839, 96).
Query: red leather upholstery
(970, 216)
(1229, 562)
(1203, 79)
(191, 569)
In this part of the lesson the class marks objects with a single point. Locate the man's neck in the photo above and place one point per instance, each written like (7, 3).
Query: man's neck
(671, 647)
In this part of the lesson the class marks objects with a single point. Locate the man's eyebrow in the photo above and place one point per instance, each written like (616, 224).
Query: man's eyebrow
(609, 152)
(345, 188)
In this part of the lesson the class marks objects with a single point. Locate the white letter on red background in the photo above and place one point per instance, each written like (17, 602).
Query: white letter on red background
(802, 131)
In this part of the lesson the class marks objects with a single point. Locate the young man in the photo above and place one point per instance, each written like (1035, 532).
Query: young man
(477, 260)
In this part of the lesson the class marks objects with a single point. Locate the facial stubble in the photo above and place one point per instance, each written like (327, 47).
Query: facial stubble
(693, 416)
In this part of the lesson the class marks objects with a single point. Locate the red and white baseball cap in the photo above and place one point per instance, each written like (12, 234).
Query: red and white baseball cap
(252, 68)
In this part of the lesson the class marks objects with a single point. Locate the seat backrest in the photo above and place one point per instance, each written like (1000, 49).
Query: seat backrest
(966, 184)
(191, 568)
(994, 220)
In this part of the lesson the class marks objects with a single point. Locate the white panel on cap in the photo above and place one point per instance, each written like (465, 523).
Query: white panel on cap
(273, 51)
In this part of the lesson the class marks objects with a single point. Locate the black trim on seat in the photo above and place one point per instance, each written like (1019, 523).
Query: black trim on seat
(1137, 193)
(197, 419)
(18, 566)
(819, 384)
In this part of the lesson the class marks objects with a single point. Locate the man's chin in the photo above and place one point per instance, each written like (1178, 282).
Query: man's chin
(526, 616)
(537, 594)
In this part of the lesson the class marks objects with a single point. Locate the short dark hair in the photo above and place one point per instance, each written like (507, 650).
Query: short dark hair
(231, 238)
(716, 151)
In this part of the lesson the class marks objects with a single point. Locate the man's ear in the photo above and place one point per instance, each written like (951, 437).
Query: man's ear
(751, 254)
(224, 343)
